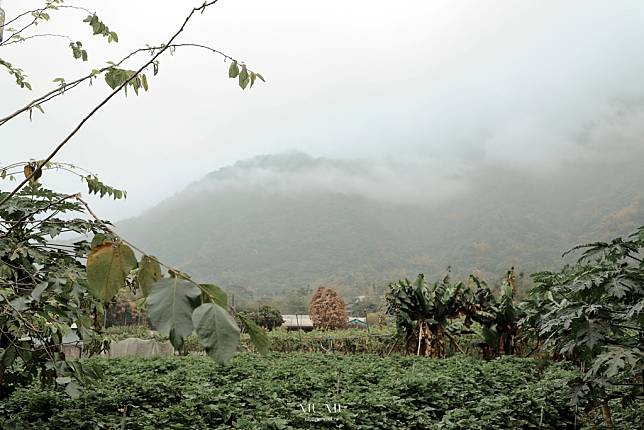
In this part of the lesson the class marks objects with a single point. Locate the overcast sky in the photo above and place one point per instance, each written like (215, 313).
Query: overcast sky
(455, 84)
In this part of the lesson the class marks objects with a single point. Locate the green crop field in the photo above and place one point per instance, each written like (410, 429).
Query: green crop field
(294, 391)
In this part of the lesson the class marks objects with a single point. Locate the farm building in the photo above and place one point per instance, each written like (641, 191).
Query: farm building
(303, 322)
(297, 322)
(357, 322)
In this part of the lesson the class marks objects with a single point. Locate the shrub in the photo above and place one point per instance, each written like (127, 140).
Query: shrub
(327, 309)
(264, 392)
(266, 316)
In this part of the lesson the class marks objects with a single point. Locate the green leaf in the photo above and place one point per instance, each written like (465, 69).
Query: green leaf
(244, 78)
(73, 390)
(216, 330)
(210, 293)
(107, 267)
(149, 273)
(258, 335)
(144, 81)
(233, 70)
(170, 305)
(260, 77)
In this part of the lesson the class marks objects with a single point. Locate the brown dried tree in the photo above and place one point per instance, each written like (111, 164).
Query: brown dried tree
(327, 310)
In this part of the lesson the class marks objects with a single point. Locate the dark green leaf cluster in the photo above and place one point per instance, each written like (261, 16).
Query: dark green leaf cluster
(274, 391)
(99, 27)
(592, 313)
(17, 73)
(426, 314)
(177, 306)
(115, 77)
(95, 186)
(44, 302)
(78, 51)
(266, 316)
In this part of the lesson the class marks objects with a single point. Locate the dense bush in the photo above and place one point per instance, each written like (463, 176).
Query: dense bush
(327, 309)
(378, 340)
(266, 316)
(263, 392)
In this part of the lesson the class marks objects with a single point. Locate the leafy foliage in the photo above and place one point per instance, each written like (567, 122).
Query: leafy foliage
(274, 391)
(327, 309)
(244, 76)
(592, 313)
(217, 331)
(108, 266)
(170, 303)
(44, 290)
(430, 315)
(115, 77)
(266, 316)
(99, 27)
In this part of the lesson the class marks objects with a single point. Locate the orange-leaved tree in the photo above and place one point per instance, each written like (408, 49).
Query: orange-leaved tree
(327, 309)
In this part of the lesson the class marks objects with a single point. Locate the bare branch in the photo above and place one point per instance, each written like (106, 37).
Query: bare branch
(38, 35)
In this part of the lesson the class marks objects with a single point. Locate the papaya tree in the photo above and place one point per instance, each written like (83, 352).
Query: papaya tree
(592, 312)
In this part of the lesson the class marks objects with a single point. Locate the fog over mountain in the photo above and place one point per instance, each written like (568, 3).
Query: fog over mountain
(431, 96)
(272, 223)
(401, 136)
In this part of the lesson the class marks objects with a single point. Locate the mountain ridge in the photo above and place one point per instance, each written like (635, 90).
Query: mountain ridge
(275, 223)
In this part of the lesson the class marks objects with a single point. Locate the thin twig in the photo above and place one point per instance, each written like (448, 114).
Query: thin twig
(107, 99)
(60, 90)
(38, 35)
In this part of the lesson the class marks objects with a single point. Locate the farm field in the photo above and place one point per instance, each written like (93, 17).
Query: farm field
(278, 391)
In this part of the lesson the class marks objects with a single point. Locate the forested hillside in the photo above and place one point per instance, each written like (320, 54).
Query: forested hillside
(276, 223)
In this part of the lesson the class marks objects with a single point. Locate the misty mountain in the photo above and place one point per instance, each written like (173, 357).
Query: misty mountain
(278, 222)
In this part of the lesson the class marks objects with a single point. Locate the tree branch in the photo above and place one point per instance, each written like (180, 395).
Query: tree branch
(106, 100)
(6, 42)
(38, 35)
(68, 86)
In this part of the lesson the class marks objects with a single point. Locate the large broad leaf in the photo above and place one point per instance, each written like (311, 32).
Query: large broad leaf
(170, 304)
(149, 273)
(210, 293)
(108, 265)
(217, 331)
(257, 334)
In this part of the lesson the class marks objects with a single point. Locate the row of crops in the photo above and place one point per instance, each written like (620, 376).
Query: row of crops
(379, 340)
(302, 391)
